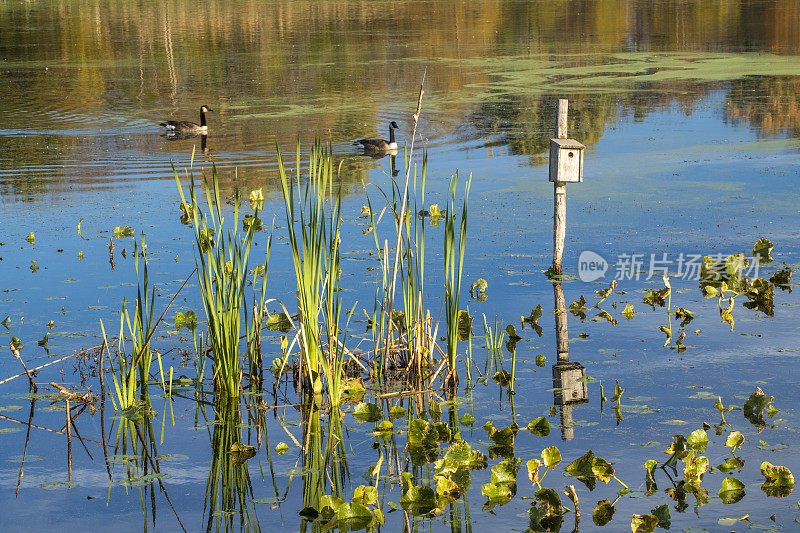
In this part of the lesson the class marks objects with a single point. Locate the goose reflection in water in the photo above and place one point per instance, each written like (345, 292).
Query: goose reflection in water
(185, 135)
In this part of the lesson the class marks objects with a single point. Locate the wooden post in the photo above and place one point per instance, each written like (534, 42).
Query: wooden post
(562, 336)
(560, 194)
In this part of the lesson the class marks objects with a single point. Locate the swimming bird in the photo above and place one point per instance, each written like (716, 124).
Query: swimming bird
(184, 126)
(380, 145)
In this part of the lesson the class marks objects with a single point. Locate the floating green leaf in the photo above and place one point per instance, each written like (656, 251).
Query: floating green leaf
(754, 408)
(649, 478)
(281, 448)
(762, 249)
(423, 441)
(467, 419)
(367, 412)
(503, 485)
(657, 298)
(732, 490)
(278, 322)
(352, 516)
(257, 199)
(365, 494)
(464, 325)
(603, 513)
(547, 514)
(419, 500)
(581, 469)
(551, 457)
(696, 467)
(533, 319)
(698, 441)
(644, 523)
(458, 454)
(605, 315)
(684, 315)
(662, 513)
(186, 320)
(384, 429)
(397, 412)
(734, 440)
(780, 481)
(502, 378)
(478, 287)
(241, 452)
(353, 389)
(252, 221)
(602, 469)
(782, 278)
(628, 312)
(503, 437)
(578, 308)
(206, 239)
(731, 463)
(539, 426)
(761, 295)
(533, 470)
(121, 231)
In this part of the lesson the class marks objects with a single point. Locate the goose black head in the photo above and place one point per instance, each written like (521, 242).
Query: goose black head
(393, 125)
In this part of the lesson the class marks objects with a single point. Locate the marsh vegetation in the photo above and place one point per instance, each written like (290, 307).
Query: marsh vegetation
(264, 329)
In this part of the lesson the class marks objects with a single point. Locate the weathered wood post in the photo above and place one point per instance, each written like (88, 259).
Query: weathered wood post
(566, 165)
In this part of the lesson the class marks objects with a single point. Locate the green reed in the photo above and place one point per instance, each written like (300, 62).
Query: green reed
(253, 329)
(222, 277)
(132, 373)
(414, 324)
(494, 343)
(454, 251)
(417, 323)
(313, 224)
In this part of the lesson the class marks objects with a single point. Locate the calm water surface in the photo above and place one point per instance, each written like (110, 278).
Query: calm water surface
(691, 117)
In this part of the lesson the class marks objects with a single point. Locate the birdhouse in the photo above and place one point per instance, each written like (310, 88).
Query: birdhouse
(569, 383)
(566, 160)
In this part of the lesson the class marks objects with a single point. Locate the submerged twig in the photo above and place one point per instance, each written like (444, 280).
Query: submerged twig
(69, 443)
(25, 450)
(158, 471)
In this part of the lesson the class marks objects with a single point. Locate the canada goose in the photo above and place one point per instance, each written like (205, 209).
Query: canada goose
(380, 145)
(184, 126)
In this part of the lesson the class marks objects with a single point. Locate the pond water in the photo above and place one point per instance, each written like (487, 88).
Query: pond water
(690, 115)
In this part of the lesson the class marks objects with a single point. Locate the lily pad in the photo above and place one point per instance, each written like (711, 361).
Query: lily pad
(467, 419)
(644, 523)
(539, 426)
(603, 513)
(762, 249)
(732, 490)
(367, 412)
(780, 481)
(278, 322)
(186, 320)
(397, 412)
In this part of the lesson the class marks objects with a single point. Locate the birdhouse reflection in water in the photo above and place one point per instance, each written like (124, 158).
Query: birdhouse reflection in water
(569, 384)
